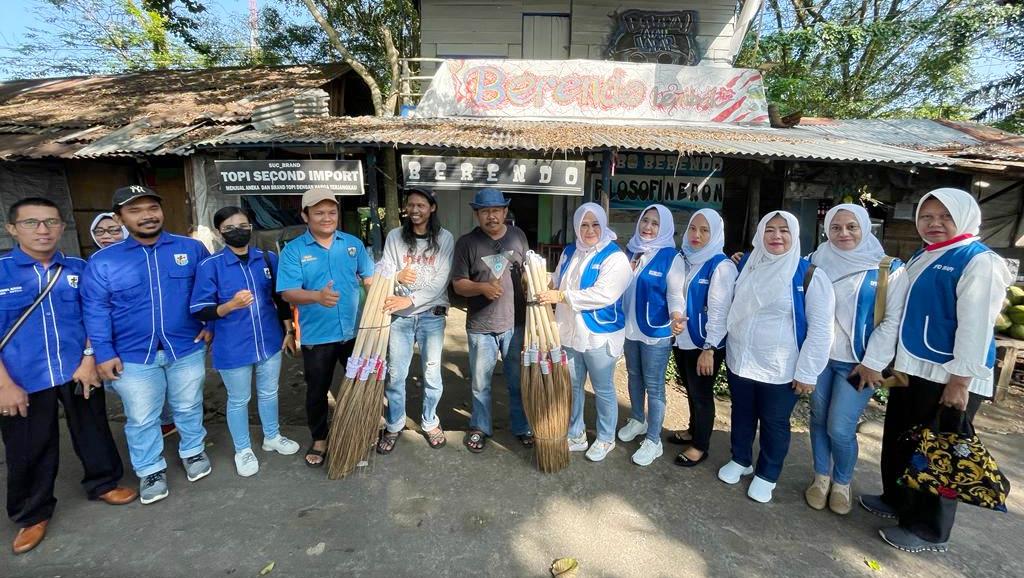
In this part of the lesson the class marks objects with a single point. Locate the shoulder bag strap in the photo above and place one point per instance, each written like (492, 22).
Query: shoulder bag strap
(883, 288)
(25, 314)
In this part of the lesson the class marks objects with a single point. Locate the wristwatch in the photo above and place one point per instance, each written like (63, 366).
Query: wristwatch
(89, 351)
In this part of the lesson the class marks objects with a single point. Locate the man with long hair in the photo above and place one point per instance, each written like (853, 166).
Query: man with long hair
(420, 251)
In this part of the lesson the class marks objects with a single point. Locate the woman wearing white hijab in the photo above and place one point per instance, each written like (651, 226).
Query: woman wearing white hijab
(780, 331)
(699, 322)
(105, 231)
(852, 258)
(590, 278)
(946, 348)
(656, 283)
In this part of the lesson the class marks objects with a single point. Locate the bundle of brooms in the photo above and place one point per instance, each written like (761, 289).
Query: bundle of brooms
(547, 392)
(356, 421)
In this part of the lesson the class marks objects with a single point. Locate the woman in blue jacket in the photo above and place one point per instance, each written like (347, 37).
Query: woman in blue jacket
(234, 290)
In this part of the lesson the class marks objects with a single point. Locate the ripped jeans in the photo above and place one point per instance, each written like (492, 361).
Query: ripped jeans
(426, 330)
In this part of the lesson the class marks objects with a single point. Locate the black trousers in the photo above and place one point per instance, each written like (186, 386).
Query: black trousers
(319, 362)
(700, 395)
(33, 451)
(929, 517)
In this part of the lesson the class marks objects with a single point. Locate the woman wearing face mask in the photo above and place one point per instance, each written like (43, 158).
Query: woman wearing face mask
(105, 230)
(700, 327)
(591, 277)
(234, 290)
(656, 286)
(780, 331)
(852, 258)
(946, 347)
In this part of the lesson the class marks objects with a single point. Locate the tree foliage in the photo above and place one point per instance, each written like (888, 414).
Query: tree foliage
(1002, 101)
(870, 58)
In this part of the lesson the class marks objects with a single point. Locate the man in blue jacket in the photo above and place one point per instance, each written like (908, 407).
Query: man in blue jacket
(147, 343)
(47, 360)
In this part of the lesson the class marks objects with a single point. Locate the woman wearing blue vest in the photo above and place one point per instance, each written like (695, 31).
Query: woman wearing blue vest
(234, 291)
(591, 276)
(946, 347)
(780, 331)
(852, 258)
(700, 327)
(656, 284)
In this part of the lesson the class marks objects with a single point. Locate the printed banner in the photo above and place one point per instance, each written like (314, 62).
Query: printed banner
(510, 175)
(599, 90)
(289, 177)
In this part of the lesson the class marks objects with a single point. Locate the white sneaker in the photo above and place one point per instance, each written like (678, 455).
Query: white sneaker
(599, 449)
(632, 429)
(731, 472)
(281, 445)
(246, 463)
(648, 452)
(578, 444)
(760, 490)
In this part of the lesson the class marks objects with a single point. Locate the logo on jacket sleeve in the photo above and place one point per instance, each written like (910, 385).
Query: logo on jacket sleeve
(266, 271)
(73, 281)
(181, 259)
(351, 251)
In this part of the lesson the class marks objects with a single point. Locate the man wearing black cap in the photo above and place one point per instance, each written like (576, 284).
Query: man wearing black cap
(496, 317)
(147, 344)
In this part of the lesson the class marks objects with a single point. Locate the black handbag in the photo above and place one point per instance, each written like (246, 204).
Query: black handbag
(25, 314)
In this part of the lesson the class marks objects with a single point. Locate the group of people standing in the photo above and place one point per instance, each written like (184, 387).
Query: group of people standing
(138, 316)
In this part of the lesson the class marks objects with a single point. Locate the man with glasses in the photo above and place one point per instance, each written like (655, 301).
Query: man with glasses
(496, 316)
(148, 345)
(46, 360)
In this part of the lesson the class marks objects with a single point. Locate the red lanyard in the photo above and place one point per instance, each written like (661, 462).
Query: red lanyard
(956, 239)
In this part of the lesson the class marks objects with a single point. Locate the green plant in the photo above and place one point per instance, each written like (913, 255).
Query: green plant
(674, 378)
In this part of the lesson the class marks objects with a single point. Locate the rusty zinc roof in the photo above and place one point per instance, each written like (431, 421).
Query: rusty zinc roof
(560, 137)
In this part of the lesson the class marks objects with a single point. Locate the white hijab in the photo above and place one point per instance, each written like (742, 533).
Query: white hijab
(607, 235)
(961, 205)
(837, 263)
(765, 278)
(714, 246)
(665, 237)
(96, 221)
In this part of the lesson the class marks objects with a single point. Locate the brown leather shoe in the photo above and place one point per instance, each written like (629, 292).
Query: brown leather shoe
(119, 496)
(29, 537)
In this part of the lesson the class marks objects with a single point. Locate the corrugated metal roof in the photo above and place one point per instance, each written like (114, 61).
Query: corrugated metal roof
(915, 133)
(554, 137)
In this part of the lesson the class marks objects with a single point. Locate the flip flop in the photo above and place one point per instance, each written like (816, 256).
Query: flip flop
(526, 439)
(316, 453)
(475, 441)
(435, 438)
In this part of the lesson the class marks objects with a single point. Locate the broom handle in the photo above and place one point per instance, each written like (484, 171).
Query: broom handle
(374, 305)
(384, 320)
(551, 324)
(547, 321)
(364, 319)
(539, 320)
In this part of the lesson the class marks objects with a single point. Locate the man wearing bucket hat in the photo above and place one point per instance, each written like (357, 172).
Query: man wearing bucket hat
(319, 272)
(496, 312)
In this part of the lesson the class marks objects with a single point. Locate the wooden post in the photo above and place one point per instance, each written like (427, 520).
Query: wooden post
(376, 239)
(606, 180)
(753, 207)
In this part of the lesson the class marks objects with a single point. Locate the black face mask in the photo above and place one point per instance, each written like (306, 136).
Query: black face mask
(237, 237)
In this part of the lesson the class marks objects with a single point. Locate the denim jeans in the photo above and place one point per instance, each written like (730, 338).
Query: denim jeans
(600, 365)
(238, 382)
(835, 409)
(483, 355)
(645, 368)
(765, 407)
(143, 389)
(427, 331)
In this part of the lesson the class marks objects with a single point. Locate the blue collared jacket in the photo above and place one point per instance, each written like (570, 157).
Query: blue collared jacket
(48, 348)
(136, 299)
(244, 336)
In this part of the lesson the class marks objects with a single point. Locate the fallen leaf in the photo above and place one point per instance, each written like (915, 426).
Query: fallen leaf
(267, 569)
(873, 564)
(565, 567)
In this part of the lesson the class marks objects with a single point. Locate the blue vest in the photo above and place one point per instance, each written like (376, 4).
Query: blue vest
(799, 307)
(864, 315)
(929, 325)
(697, 301)
(650, 303)
(607, 319)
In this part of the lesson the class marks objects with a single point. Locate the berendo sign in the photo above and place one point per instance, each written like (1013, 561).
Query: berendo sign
(290, 177)
(509, 175)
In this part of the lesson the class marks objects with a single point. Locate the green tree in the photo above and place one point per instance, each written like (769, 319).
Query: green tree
(863, 59)
(1002, 101)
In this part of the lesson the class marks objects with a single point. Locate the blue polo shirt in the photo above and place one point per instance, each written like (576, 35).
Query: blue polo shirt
(136, 299)
(47, 349)
(244, 336)
(305, 264)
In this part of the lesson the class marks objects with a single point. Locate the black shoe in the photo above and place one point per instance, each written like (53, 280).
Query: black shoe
(877, 506)
(683, 461)
(903, 539)
(673, 438)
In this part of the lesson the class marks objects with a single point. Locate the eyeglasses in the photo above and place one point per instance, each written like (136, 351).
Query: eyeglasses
(108, 231)
(229, 228)
(33, 224)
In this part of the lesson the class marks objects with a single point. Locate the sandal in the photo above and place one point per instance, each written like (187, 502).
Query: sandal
(317, 454)
(675, 438)
(386, 442)
(475, 441)
(526, 439)
(435, 438)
